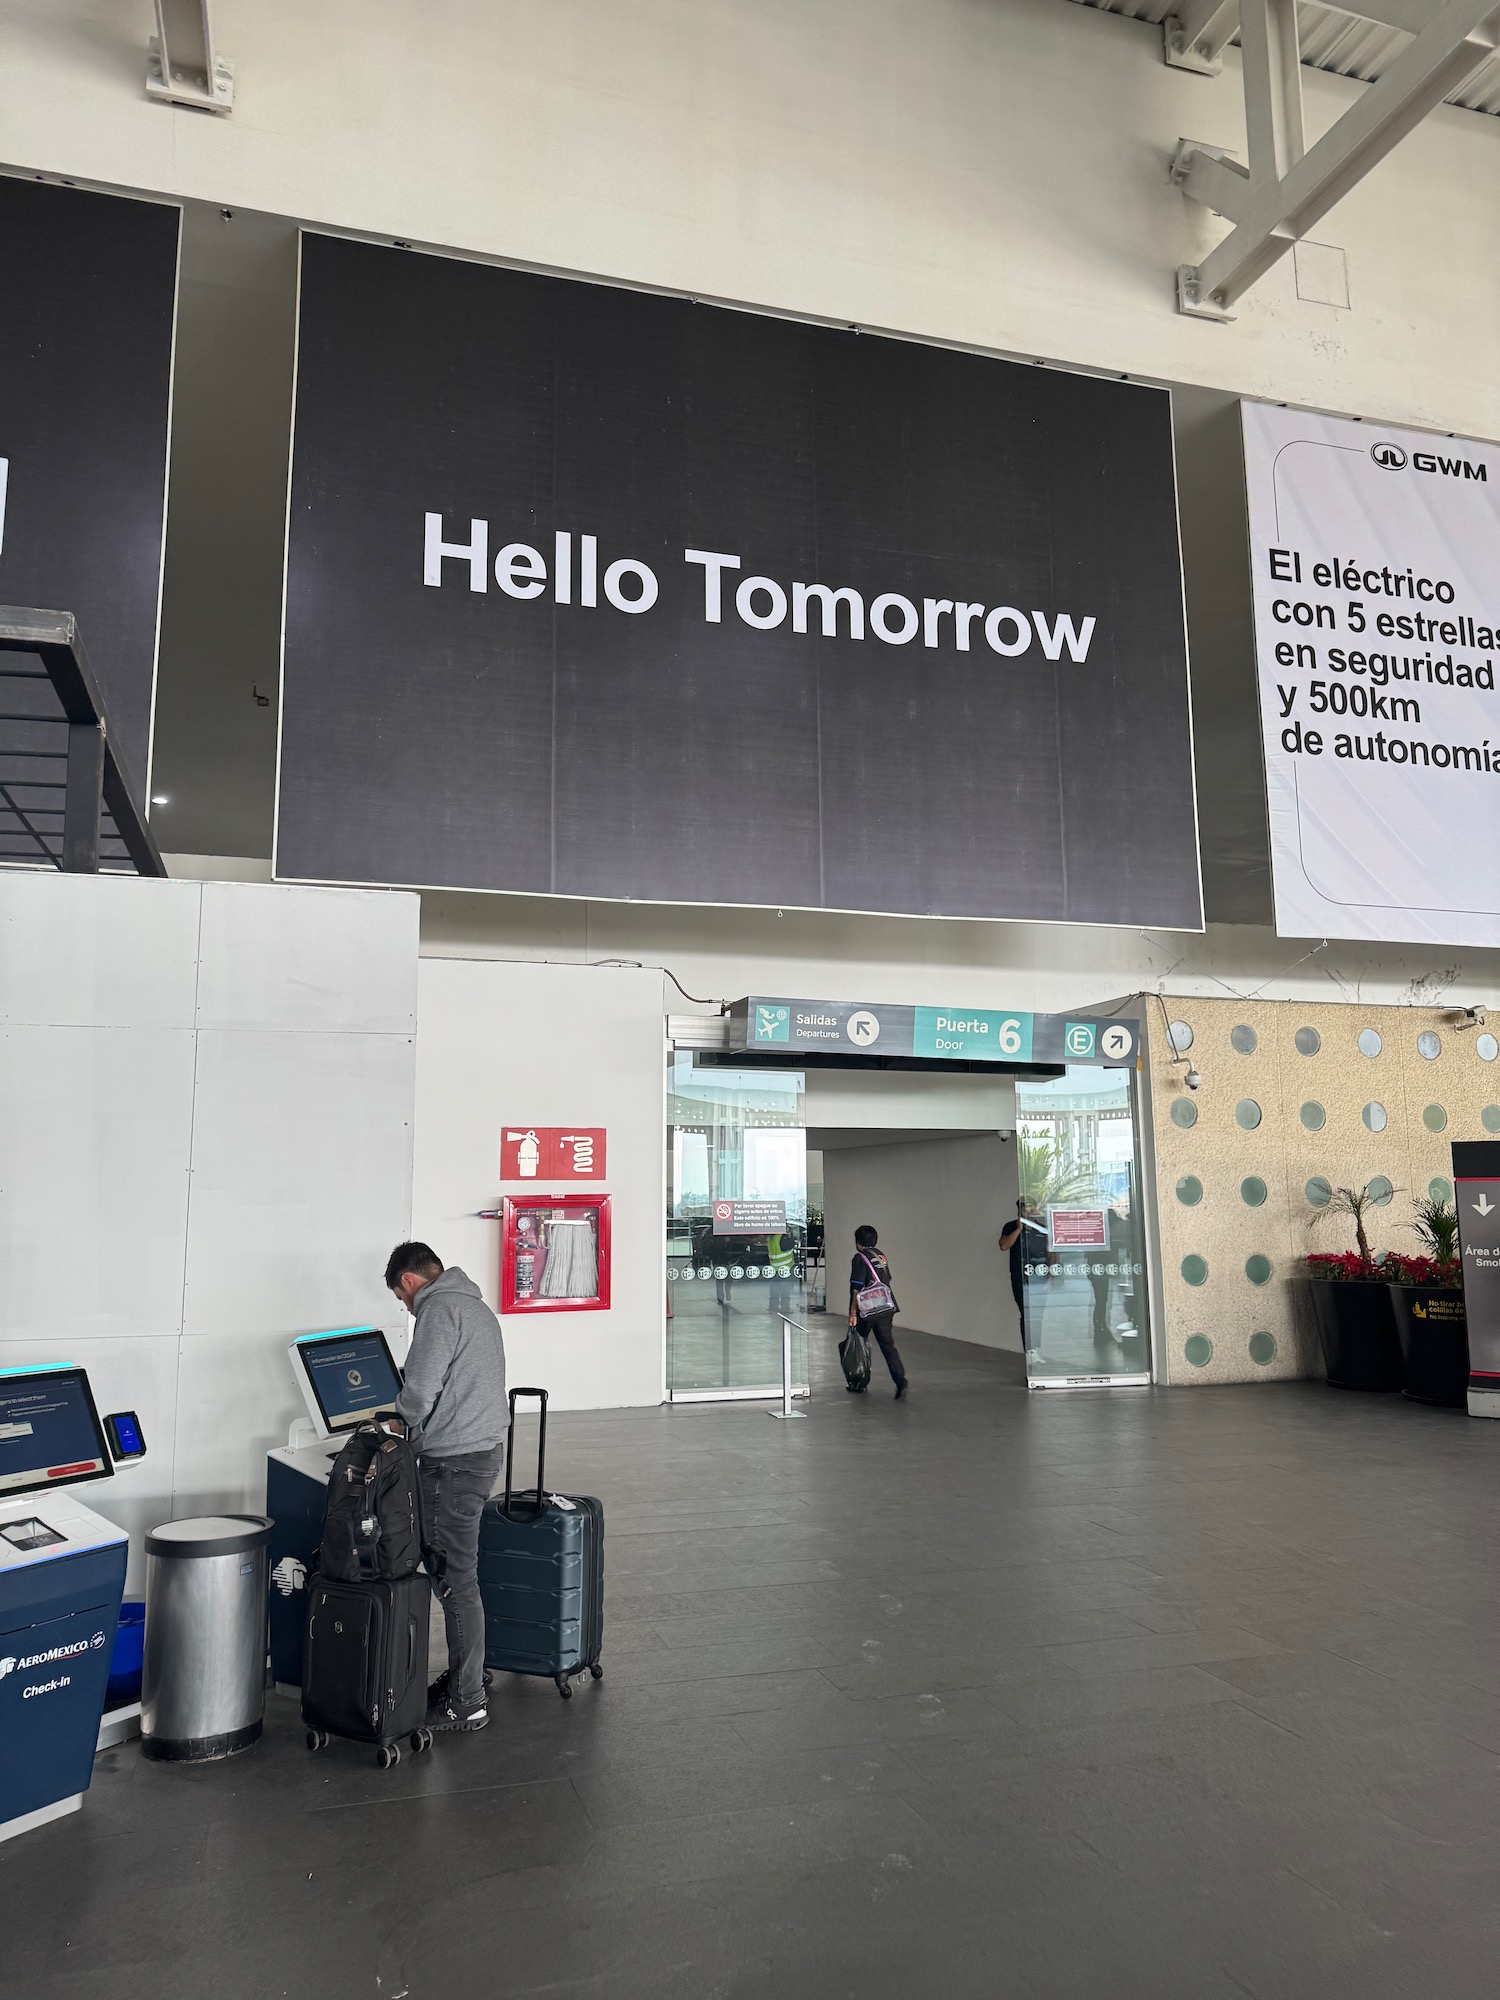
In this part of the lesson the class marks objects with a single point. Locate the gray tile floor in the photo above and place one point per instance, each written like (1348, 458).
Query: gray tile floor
(1155, 1694)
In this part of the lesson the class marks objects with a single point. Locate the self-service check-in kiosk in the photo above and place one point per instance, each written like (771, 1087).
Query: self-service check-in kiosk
(346, 1378)
(62, 1574)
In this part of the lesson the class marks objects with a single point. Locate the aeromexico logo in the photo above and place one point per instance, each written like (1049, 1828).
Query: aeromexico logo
(578, 573)
(13, 1665)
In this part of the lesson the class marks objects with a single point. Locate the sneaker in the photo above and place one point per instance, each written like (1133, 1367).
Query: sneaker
(437, 1692)
(449, 1714)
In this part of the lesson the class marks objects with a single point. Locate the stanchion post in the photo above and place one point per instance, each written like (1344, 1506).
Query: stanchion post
(786, 1409)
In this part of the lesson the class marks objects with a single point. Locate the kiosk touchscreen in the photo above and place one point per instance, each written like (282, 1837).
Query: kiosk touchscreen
(346, 1378)
(50, 1433)
(62, 1573)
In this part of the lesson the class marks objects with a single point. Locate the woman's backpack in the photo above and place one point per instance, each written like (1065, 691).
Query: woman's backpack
(372, 1527)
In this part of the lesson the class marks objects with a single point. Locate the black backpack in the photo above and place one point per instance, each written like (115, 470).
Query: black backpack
(372, 1528)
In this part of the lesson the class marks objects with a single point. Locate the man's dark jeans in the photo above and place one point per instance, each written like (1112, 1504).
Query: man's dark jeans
(454, 1491)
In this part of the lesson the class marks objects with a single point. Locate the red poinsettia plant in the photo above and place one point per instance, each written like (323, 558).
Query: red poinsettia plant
(1344, 1267)
(1400, 1270)
(1436, 1266)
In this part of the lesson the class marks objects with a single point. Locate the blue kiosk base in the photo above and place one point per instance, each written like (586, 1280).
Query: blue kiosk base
(62, 1575)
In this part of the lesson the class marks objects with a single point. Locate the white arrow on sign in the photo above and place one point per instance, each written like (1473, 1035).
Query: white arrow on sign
(1484, 1206)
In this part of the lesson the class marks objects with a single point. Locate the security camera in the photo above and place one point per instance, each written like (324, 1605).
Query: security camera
(1192, 1079)
(1467, 1017)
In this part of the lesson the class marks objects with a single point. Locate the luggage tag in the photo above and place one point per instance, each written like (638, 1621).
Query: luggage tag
(561, 1500)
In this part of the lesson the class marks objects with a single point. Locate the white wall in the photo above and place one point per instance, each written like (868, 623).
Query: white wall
(991, 172)
(939, 1205)
(906, 1098)
(1048, 968)
(549, 1045)
(205, 1149)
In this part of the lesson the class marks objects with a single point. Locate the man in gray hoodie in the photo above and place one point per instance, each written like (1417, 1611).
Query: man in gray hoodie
(454, 1408)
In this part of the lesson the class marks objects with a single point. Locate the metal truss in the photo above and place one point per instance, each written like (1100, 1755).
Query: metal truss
(1288, 187)
(182, 64)
(65, 797)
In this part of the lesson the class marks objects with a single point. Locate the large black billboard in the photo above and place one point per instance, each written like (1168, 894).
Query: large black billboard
(592, 592)
(85, 406)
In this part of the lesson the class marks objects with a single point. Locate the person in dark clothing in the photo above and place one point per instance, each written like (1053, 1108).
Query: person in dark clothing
(870, 1267)
(1013, 1243)
(1099, 1275)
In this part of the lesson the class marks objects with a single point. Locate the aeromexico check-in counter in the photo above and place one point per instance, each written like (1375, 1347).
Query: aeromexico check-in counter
(346, 1378)
(63, 1565)
(62, 1575)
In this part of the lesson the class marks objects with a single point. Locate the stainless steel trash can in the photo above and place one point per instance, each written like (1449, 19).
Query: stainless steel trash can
(203, 1674)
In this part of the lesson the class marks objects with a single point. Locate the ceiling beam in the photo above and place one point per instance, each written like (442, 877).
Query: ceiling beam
(183, 66)
(1290, 192)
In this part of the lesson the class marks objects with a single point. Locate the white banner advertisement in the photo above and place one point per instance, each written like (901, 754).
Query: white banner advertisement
(1376, 562)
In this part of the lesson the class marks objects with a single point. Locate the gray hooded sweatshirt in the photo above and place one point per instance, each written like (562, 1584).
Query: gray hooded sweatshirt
(453, 1398)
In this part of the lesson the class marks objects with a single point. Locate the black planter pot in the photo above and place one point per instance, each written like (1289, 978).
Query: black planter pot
(1434, 1333)
(1357, 1332)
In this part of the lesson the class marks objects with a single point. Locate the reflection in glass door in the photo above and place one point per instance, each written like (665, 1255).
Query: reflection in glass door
(1084, 1298)
(737, 1138)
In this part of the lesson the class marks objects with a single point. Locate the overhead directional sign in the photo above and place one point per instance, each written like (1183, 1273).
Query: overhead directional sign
(946, 1034)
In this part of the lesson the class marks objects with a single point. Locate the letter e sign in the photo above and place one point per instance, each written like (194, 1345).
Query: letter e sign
(552, 1152)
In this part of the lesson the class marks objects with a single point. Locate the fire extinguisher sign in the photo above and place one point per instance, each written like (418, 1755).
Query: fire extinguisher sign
(552, 1152)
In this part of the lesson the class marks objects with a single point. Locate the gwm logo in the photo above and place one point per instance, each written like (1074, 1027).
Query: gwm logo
(1391, 458)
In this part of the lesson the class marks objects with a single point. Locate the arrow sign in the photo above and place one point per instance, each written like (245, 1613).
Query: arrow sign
(1484, 1206)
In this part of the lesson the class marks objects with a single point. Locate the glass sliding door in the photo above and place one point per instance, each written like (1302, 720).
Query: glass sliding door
(1084, 1300)
(736, 1226)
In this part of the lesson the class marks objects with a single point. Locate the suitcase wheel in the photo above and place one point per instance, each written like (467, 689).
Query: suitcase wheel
(564, 1686)
(317, 1739)
(421, 1739)
(596, 1671)
(387, 1755)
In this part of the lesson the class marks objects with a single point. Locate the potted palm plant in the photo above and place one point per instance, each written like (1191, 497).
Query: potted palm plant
(1351, 1302)
(1427, 1297)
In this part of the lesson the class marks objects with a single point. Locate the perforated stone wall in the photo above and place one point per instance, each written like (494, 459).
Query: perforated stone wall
(1295, 1099)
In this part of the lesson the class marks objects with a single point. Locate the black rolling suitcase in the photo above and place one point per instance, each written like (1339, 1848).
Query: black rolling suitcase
(541, 1574)
(364, 1665)
(364, 1659)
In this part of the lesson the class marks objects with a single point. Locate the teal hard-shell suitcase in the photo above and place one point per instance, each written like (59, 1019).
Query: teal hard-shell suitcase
(541, 1574)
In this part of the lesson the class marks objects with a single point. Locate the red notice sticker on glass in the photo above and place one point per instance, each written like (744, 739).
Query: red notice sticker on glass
(1078, 1228)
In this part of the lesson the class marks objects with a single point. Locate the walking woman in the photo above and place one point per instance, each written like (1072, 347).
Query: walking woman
(872, 1303)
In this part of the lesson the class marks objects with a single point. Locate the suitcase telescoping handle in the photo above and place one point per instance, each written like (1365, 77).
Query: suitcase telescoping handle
(541, 1448)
